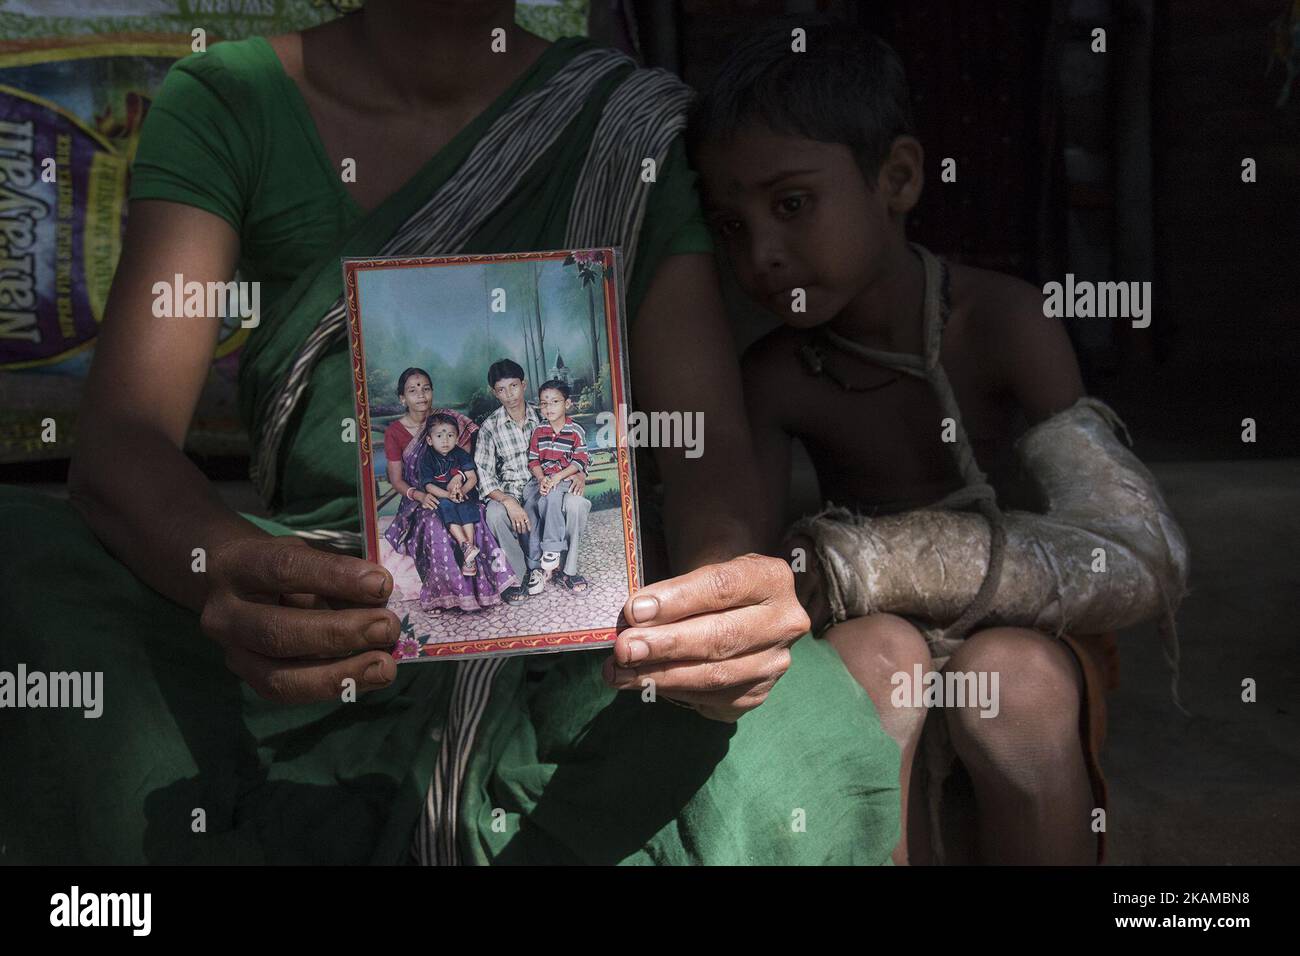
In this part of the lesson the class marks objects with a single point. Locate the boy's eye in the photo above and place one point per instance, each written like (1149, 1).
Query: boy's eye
(728, 228)
(790, 205)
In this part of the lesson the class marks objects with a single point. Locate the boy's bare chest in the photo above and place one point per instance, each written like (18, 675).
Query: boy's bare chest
(892, 445)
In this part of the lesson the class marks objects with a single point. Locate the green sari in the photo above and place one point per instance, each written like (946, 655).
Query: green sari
(187, 764)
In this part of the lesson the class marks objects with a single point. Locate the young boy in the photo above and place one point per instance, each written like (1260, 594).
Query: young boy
(557, 450)
(448, 473)
(809, 169)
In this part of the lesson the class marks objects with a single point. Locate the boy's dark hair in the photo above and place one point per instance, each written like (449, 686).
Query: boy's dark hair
(439, 418)
(559, 385)
(504, 368)
(848, 87)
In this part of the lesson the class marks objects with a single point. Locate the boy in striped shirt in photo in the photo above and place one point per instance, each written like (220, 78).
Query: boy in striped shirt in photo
(557, 450)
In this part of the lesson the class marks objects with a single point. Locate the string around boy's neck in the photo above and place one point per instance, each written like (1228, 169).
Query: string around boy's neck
(936, 309)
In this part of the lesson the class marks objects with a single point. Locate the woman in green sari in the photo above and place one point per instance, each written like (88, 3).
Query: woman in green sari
(228, 643)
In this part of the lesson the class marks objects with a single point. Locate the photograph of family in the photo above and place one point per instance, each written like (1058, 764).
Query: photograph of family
(490, 490)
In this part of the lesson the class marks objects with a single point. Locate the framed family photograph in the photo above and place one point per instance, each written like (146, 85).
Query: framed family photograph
(496, 481)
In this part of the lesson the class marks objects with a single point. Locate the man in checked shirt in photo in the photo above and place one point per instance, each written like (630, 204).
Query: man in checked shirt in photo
(502, 455)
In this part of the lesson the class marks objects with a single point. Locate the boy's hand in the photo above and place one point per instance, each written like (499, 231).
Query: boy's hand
(545, 485)
(296, 623)
(717, 638)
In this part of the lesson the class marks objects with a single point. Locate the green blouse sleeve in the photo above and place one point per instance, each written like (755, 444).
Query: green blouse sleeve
(674, 222)
(692, 232)
(195, 146)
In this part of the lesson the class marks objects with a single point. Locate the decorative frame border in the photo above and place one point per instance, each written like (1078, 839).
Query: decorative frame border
(612, 275)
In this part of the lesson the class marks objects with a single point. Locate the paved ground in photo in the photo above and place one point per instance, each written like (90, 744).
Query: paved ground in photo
(556, 608)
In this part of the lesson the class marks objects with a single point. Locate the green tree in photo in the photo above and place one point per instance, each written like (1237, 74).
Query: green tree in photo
(591, 269)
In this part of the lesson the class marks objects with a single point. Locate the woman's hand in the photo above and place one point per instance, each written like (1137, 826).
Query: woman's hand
(717, 638)
(809, 585)
(296, 623)
(426, 500)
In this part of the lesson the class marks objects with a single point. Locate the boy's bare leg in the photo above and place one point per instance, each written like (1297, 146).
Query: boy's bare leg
(874, 649)
(1031, 783)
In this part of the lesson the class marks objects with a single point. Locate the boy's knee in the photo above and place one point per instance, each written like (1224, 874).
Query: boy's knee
(1037, 682)
(576, 505)
(880, 644)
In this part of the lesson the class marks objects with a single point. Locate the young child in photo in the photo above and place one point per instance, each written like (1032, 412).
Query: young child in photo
(557, 450)
(448, 473)
(809, 168)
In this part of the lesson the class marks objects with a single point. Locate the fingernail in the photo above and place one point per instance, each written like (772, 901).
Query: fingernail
(379, 633)
(375, 673)
(644, 608)
(376, 582)
(637, 651)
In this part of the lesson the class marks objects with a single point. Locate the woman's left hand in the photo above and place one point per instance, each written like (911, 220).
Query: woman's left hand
(717, 639)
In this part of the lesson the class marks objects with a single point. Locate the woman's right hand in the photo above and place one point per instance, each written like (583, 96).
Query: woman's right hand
(809, 585)
(296, 623)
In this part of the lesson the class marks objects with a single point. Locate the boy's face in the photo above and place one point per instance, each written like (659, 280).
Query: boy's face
(442, 438)
(795, 213)
(509, 392)
(553, 405)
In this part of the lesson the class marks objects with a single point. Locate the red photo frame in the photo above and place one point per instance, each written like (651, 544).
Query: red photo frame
(614, 352)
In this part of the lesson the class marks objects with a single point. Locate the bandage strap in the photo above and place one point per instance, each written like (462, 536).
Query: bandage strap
(977, 490)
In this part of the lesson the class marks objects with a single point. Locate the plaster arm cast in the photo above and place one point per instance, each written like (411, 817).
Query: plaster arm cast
(1104, 510)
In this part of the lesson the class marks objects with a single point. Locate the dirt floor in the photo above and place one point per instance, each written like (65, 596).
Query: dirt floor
(1222, 786)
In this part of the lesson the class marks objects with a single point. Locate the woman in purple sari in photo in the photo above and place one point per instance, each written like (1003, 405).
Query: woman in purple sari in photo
(417, 531)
